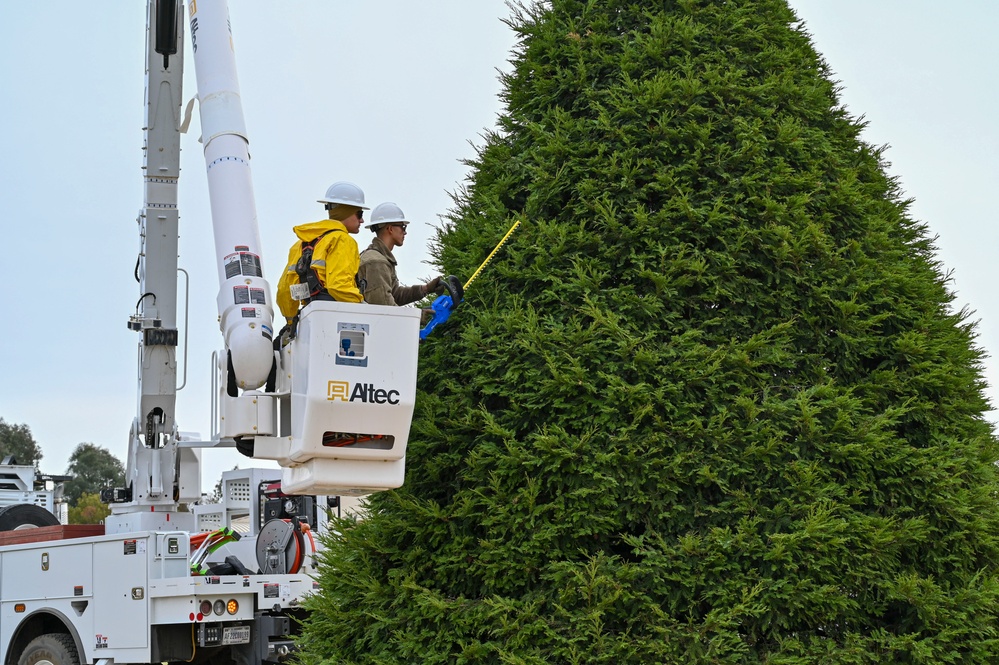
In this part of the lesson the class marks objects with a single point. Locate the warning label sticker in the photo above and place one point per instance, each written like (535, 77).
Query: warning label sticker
(242, 263)
(250, 264)
(232, 266)
(249, 312)
(244, 295)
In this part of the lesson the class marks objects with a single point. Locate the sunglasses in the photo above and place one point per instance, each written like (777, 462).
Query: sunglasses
(360, 215)
(400, 226)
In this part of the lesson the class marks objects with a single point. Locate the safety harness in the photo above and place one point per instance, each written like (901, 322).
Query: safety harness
(310, 276)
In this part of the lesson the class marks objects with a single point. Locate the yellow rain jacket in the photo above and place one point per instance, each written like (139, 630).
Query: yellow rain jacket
(334, 259)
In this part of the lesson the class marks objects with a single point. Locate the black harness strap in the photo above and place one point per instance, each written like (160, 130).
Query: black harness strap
(309, 275)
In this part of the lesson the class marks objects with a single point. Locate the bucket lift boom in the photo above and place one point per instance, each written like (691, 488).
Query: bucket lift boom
(333, 405)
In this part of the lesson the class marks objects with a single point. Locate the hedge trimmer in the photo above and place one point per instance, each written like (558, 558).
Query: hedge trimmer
(445, 304)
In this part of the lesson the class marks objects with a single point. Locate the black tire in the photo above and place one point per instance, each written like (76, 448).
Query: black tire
(25, 516)
(50, 649)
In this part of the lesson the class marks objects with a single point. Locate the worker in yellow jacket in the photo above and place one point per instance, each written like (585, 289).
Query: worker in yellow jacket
(323, 264)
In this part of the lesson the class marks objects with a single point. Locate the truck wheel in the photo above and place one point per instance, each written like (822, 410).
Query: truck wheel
(51, 649)
(25, 516)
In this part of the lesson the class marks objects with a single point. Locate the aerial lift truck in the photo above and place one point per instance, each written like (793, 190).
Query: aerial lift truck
(331, 404)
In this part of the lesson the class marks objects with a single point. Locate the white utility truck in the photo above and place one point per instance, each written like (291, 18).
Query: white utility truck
(331, 404)
(29, 499)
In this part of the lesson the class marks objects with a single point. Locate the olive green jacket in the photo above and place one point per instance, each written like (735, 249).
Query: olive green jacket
(377, 279)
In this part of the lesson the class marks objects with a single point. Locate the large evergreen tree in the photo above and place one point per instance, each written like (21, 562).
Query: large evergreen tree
(712, 404)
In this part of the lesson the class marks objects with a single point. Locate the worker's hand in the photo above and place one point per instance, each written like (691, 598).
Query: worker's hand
(285, 336)
(434, 286)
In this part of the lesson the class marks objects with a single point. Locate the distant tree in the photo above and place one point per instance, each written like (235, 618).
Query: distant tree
(92, 467)
(713, 404)
(16, 440)
(89, 509)
(216, 495)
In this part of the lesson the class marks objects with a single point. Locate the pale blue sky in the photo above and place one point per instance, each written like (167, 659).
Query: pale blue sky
(387, 93)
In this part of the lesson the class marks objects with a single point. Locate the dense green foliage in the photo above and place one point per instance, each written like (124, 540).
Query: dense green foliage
(89, 509)
(711, 404)
(93, 467)
(16, 440)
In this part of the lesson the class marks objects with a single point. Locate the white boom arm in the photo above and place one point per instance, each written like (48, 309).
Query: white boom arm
(244, 300)
(337, 414)
(158, 473)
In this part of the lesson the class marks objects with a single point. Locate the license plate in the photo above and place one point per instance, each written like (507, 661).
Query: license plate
(235, 635)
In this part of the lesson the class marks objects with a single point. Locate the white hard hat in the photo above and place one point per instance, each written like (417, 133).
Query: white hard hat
(386, 213)
(346, 193)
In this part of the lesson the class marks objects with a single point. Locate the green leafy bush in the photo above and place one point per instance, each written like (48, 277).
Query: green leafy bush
(711, 403)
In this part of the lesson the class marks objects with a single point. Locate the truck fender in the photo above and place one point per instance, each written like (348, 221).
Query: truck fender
(38, 624)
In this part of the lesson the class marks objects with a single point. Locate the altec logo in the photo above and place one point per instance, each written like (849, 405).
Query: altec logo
(362, 392)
